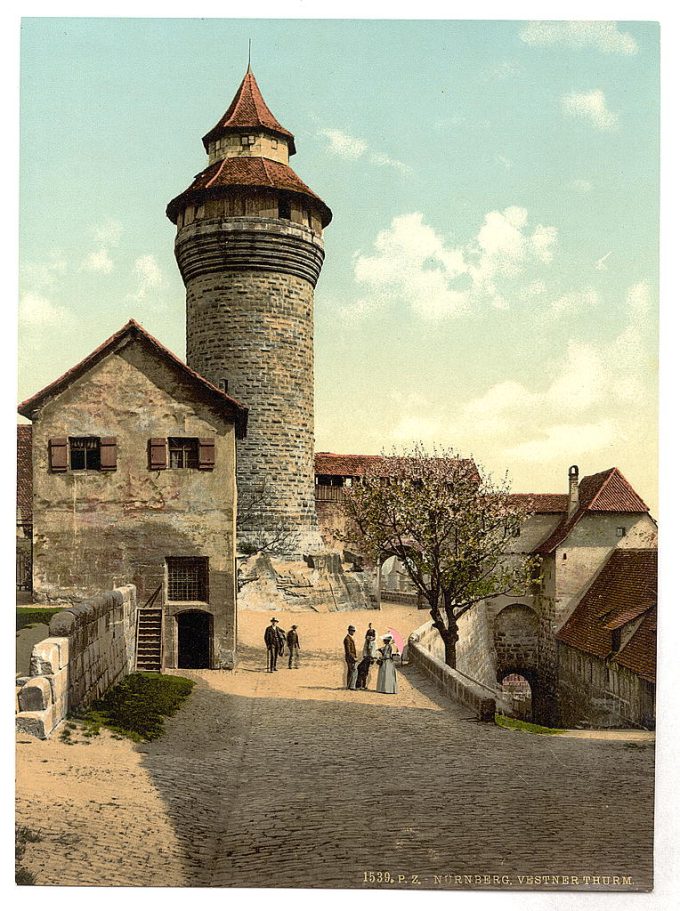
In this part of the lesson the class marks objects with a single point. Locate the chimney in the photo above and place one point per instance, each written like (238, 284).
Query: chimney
(573, 490)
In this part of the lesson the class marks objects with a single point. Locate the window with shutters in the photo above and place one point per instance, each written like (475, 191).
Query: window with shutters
(187, 578)
(183, 452)
(85, 453)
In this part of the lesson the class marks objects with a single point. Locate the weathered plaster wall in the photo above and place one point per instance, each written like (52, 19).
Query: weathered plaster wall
(593, 694)
(96, 530)
(91, 647)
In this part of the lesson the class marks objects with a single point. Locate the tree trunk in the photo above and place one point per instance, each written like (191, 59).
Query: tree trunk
(450, 640)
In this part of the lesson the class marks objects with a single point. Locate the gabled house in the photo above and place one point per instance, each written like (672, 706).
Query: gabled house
(133, 459)
(607, 647)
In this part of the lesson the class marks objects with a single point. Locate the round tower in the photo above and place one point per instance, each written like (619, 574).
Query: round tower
(249, 246)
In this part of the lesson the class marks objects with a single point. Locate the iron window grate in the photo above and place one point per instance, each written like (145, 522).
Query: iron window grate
(187, 578)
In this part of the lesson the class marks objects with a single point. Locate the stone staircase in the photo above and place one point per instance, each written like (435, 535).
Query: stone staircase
(150, 639)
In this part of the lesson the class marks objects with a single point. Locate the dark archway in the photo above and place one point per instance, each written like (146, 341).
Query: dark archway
(519, 688)
(194, 636)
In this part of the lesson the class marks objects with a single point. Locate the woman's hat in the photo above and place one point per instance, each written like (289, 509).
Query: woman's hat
(386, 636)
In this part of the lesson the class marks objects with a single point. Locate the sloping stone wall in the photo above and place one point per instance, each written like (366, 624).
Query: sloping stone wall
(425, 648)
(91, 647)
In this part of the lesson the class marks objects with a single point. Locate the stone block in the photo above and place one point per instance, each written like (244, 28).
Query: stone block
(38, 724)
(59, 684)
(44, 658)
(62, 624)
(36, 695)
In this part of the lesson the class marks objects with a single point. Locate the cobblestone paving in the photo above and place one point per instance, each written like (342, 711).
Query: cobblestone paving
(289, 780)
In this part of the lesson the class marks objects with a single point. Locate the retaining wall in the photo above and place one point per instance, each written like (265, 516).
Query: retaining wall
(90, 648)
(425, 651)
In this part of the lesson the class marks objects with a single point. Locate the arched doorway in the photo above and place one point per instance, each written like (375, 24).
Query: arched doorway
(519, 689)
(194, 635)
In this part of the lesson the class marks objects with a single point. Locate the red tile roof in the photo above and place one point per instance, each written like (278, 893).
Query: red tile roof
(245, 172)
(623, 591)
(606, 491)
(248, 110)
(24, 474)
(542, 503)
(132, 330)
(352, 466)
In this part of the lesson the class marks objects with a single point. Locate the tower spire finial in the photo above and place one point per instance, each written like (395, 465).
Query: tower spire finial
(249, 43)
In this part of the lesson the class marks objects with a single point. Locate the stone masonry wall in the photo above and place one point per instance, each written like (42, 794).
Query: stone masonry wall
(91, 647)
(254, 328)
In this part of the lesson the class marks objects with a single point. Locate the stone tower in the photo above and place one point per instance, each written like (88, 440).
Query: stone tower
(249, 246)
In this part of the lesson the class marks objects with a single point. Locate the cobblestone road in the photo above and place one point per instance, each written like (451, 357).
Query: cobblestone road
(289, 780)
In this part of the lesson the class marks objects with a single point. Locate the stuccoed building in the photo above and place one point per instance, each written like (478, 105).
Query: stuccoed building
(134, 482)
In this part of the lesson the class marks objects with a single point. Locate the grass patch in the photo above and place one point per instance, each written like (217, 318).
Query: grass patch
(22, 837)
(32, 615)
(514, 724)
(136, 707)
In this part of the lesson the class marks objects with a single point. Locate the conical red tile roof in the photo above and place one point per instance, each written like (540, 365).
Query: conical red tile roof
(248, 110)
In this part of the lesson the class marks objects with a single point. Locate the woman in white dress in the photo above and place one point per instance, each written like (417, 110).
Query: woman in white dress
(387, 672)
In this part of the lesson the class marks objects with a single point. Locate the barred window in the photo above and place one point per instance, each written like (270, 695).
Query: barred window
(187, 578)
(85, 453)
(183, 452)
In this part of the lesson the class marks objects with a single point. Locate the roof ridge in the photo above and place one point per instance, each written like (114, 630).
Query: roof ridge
(131, 327)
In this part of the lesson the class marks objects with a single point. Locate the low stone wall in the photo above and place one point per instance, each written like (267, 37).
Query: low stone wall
(90, 648)
(425, 651)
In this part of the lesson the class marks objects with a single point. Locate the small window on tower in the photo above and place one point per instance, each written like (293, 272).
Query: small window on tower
(284, 208)
(275, 143)
(621, 531)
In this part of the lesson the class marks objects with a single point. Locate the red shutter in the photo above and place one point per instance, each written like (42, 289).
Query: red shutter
(206, 454)
(158, 453)
(58, 448)
(108, 454)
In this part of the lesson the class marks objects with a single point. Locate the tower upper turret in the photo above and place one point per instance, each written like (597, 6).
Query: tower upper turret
(248, 128)
(248, 172)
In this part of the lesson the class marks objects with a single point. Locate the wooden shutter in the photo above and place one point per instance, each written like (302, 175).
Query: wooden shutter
(108, 454)
(58, 450)
(206, 453)
(158, 453)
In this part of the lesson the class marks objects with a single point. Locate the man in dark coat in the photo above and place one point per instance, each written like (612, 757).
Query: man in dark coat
(293, 647)
(350, 658)
(273, 639)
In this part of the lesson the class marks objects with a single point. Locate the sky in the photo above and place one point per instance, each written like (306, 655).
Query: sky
(491, 273)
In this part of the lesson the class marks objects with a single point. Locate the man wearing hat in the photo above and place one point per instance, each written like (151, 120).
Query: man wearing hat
(273, 639)
(350, 658)
(293, 647)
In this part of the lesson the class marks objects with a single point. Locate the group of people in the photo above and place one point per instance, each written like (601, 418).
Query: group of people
(276, 640)
(358, 670)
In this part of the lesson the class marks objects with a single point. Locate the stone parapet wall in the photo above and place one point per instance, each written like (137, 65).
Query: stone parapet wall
(424, 644)
(91, 647)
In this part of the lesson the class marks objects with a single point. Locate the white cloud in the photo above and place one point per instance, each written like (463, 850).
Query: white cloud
(149, 276)
(344, 145)
(591, 107)
(603, 36)
(41, 275)
(98, 261)
(574, 302)
(37, 311)
(411, 263)
(591, 398)
(352, 148)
